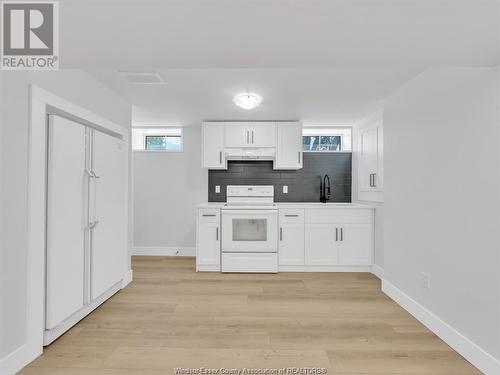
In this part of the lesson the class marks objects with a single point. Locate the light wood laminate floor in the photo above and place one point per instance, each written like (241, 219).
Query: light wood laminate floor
(170, 316)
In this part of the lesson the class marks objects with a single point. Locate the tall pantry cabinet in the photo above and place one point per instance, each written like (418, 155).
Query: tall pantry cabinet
(86, 245)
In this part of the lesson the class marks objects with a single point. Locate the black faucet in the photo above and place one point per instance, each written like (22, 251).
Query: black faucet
(324, 189)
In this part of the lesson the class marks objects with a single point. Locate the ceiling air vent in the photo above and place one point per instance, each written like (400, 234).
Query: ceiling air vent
(143, 78)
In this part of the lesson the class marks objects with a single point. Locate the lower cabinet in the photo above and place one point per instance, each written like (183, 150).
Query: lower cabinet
(291, 238)
(355, 244)
(321, 246)
(208, 244)
(338, 244)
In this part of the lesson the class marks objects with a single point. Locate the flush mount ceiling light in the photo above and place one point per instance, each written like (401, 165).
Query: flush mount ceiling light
(247, 100)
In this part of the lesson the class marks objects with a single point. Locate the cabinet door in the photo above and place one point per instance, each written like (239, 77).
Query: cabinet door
(288, 145)
(379, 178)
(109, 213)
(208, 243)
(291, 244)
(355, 244)
(237, 134)
(67, 186)
(369, 155)
(321, 247)
(213, 146)
(263, 134)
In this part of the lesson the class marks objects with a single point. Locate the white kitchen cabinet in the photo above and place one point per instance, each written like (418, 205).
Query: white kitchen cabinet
(341, 237)
(213, 145)
(237, 134)
(321, 246)
(291, 237)
(263, 134)
(339, 244)
(355, 243)
(250, 134)
(371, 163)
(208, 240)
(288, 145)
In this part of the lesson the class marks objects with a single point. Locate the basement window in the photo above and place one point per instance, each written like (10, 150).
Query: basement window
(327, 139)
(157, 139)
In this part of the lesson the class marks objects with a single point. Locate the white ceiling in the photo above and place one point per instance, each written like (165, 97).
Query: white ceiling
(317, 60)
(315, 96)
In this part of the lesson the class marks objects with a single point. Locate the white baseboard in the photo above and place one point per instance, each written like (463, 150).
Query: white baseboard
(14, 362)
(127, 278)
(324, 268)
(378, 271)
(165, 251)
(484, 361)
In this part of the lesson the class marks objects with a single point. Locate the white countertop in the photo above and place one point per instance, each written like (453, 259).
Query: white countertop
(295, 205)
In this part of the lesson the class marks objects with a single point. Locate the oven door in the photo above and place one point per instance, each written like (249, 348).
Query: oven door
(250, 231)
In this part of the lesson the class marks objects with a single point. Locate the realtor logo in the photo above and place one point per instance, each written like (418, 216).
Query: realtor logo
(30, 35)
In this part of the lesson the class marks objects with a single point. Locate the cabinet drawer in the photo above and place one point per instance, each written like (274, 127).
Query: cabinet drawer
(291, 215)
(209, 215)
(338, 215)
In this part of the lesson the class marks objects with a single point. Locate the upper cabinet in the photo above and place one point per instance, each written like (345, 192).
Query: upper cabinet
(371, 163)
(250, 134)
(263, 134)
(213, 145)
(289, 146)
(237, 134)
(281, 141)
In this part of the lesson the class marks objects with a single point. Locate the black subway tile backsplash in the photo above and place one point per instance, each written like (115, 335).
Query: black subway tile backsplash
(303, 184)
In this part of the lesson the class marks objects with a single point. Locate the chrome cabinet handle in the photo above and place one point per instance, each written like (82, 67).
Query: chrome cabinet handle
(299, 156)
(91, 173)
(286, 215)
(374, 180)
(281, 234)
(220, 157)
(93, 224)
(248, 136)
(217, 234)
(208, 215)
(336, 234)
(252, 136)
(341, 234)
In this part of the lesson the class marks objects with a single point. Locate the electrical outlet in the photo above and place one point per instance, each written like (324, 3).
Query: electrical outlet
(217, 189)
(426, 280)
(285, 189)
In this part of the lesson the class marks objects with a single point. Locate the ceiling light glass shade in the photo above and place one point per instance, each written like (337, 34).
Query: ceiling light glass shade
(247, 100)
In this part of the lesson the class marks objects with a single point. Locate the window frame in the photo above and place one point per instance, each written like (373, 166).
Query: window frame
(342, 136)
(159, 134)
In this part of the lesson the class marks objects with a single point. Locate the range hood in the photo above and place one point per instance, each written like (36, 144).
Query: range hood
(262, 153)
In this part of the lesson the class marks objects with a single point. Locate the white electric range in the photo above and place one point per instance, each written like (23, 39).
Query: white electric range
(250, 230)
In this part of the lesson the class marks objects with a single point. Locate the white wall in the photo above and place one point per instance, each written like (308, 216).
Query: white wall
(77, 87)
(442, 197)
(167, 188)
(379, 207)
